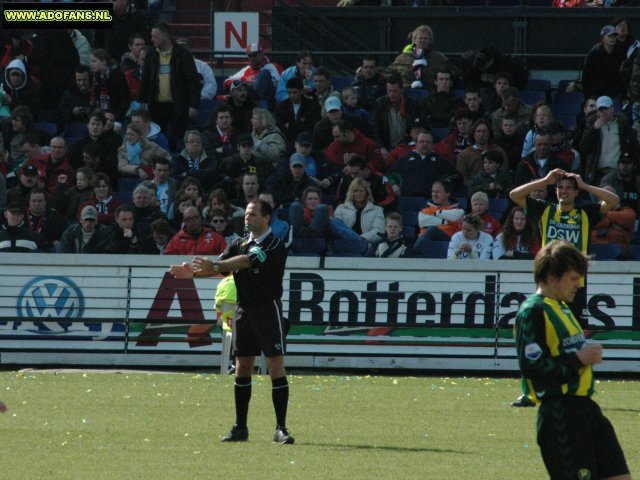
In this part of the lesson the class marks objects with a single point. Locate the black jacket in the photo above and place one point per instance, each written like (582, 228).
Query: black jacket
(381, 122)
(72, 239)
(20, 239)
(290, 125)
(185, 82)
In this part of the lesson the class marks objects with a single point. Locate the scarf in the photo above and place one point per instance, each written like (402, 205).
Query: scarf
(133, 153)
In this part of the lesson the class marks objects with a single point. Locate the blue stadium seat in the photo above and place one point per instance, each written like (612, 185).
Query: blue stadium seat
(75, 129)
(569, 121)
(532, 96)
(497, 206)
(417, 93)
(539, 84)
(49, 116)
(308, 246)
(209, 105)
(605, 251)
(124, 197)
(459, 93)
(346, 247)
(439, 133)
(635, 252)
(566, 109)
(413, 204)
(70, 141)
(409, 224)
(127, 184)
(568, 97)
(433, 249)
(261, 104)
(49, 127)
(341, 81)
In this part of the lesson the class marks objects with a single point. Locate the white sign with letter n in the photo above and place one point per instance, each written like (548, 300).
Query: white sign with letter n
(233, 31)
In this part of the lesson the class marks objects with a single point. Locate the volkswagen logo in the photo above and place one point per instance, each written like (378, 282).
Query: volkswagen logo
(51, 297)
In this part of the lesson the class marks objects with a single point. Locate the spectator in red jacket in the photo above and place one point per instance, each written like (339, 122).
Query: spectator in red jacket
(348, 141)
(194, 238)
(54, 166)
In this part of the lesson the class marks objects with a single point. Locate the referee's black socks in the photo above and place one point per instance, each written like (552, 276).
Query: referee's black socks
(280, 397)
(242, 390)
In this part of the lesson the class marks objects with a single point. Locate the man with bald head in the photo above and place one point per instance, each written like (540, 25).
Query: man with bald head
(194, 238)
(54, 166)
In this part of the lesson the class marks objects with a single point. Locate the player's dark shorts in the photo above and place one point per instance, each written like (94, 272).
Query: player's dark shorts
(577, 441)
(260, 329)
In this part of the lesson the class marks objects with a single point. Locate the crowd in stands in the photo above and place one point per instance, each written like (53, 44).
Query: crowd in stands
(134, 149)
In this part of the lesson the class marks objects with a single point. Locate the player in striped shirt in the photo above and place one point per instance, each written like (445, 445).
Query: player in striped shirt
(576, 440)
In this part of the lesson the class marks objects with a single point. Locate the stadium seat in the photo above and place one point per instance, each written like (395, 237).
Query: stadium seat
(70, 141)
(532, 96)
(124, 197)
(346, 247)
(539, 84)
(49, 127)
(433, 249)
(308, 246)
(569, 121)
(568, 97)
(75, 129)
(565, 109)
(329, 199)
(459, 93)
(439, 133)
(462, 201)
(127, 184)
(341, 81)
(413, 204)
(409, 224)
(49, 116)
(261, 104)
(417, 93)
(497, 206)
(209, 105)
(605, 251)
(635, 252)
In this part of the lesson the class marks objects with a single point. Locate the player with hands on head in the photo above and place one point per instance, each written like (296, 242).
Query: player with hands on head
(257, 262)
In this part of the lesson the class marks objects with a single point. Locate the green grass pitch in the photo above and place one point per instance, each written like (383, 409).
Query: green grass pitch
(135, 425)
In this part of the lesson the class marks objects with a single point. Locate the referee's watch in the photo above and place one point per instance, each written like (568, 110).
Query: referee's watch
(215, 267)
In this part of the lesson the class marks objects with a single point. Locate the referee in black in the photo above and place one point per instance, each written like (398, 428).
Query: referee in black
(257, 262)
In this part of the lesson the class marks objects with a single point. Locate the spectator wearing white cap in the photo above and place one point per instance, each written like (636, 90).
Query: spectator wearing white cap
(601, 70)
(322, 132)
(261, 74)
(608, 136)
(82, 237)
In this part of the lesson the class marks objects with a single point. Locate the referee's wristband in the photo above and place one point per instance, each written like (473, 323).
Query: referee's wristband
(215, 267)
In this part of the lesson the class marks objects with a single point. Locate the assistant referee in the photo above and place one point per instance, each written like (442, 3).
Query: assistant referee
(257, 262)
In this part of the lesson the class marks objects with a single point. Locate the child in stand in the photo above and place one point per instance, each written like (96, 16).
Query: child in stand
(540, 118)
(480, 207)
(510, 140)
(392, 243)
(495, 183)
(350, 105)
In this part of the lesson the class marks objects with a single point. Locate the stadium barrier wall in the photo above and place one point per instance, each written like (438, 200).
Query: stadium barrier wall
(353, 313)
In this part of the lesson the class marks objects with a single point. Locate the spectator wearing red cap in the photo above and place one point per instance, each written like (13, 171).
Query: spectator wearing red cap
(261, 74)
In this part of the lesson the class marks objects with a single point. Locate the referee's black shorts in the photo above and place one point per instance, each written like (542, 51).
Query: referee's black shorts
(577, 440)
(260, 329)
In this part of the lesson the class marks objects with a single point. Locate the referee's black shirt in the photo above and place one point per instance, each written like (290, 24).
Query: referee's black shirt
(261, 283)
